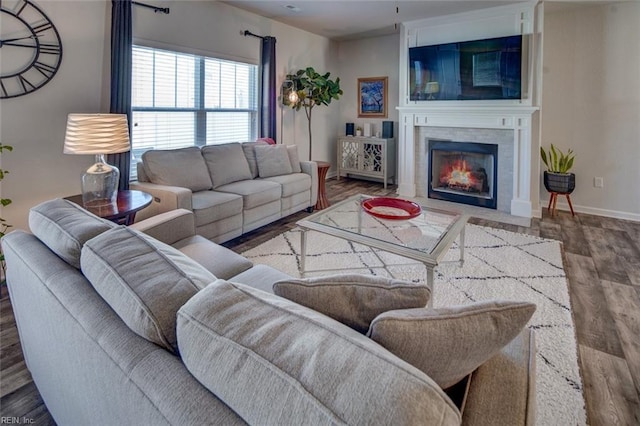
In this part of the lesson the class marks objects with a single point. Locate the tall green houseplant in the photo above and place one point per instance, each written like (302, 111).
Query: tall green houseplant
(312, 89)
(4, 226)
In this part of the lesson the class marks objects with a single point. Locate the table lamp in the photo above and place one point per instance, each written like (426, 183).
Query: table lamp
(98, 134)
(432, 88)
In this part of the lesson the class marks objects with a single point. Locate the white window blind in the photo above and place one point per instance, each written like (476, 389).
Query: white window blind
(181, 100)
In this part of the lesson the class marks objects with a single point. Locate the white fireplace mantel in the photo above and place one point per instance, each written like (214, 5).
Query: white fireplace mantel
(520, 119)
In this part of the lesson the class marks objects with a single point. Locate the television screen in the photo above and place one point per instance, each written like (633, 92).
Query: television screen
(468, 70)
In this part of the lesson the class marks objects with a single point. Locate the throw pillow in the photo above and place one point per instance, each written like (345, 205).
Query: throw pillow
(64, 227)
(183, 167)
(275, 362)
(294, 159)
(450, 343)
(353, 299)
(250, 154)
(143, 280)
(226, 163)
(273, 160)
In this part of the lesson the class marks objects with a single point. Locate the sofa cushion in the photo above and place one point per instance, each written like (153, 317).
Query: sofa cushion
(183, 167)
(250, 154)
(219, 260)
(143, 280)
(211, 206)
(227, 163)
(353, 299)
(293, 183)
(294, 159)
(64, 227)
(261, 277)
(449, 343)
(273, 160)
(254, 192)
(275, 362)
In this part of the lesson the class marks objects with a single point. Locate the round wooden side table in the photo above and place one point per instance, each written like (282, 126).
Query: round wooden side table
(128, 203)
(323, 168)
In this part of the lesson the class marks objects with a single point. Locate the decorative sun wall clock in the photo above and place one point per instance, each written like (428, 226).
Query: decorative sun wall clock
(30, 48)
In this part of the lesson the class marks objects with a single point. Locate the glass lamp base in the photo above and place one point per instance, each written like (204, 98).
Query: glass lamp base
(100, 184)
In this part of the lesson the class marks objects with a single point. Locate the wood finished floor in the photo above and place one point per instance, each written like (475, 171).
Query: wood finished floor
(602, 262)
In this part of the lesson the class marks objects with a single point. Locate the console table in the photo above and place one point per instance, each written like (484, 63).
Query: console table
(369, 157)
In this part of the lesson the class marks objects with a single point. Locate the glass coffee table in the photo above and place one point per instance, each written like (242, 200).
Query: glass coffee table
(425, 238)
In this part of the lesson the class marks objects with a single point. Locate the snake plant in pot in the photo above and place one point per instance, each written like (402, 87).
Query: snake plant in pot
(557, 177)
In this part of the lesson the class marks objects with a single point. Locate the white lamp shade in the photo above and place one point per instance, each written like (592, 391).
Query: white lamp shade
(96, 134)
(432, 87)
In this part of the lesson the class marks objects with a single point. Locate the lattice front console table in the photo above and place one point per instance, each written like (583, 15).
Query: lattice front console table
(369, 157)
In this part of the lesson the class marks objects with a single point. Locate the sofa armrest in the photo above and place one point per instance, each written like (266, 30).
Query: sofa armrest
(169, 227)
(165, 198)
(502, 390)
(311, 168)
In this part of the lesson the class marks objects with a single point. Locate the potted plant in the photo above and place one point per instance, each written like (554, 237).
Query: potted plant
(358, 131)
(4, 226)
(312, 89)
(557, 177)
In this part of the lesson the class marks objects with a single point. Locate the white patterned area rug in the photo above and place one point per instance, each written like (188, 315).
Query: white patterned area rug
(498, 265)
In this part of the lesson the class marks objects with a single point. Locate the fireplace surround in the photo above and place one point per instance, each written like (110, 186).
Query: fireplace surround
(502, 138)
(463, 172)
(509, 128)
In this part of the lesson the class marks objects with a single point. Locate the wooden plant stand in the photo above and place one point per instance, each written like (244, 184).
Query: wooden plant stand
(554, 199)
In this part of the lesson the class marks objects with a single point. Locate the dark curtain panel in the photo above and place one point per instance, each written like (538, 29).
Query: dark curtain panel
(268, 93)
(121, 66)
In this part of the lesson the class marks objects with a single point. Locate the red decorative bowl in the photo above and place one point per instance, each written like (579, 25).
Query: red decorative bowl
(391, 208)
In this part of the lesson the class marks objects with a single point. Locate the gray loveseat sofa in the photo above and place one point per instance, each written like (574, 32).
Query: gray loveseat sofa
(119, 328)
(231, 188)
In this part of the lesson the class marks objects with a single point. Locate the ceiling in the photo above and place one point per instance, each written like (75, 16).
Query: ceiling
(353, 19)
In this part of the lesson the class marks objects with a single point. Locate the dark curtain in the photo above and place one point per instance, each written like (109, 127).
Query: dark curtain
(121, 66)
(268, 93)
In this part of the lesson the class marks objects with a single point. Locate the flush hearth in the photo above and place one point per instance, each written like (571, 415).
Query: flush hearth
(463, 172)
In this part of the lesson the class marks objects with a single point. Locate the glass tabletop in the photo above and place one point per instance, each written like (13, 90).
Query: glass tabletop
(422, 234)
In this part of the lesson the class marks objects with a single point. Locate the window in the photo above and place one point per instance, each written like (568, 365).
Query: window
(181, 100)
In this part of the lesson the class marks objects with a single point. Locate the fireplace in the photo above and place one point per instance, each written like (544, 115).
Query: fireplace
(463, 172)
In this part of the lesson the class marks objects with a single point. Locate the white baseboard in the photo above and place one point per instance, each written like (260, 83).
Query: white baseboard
(562, 205)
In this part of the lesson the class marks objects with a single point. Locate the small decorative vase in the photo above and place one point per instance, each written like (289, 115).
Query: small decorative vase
(562, 183)
(358, 132)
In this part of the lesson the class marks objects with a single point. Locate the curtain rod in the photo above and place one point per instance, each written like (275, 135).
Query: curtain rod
(249, 33)
(156, 9)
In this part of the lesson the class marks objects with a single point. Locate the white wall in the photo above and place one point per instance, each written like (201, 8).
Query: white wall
(591, 101)
(213, 28)
(370, 57)
(35, 124)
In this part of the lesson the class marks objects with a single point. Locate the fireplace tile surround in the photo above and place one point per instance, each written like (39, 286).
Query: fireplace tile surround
(502, 138)
(512, 128)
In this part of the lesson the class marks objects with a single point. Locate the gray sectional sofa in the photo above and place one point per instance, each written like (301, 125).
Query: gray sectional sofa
(154, 324)
(231, 188)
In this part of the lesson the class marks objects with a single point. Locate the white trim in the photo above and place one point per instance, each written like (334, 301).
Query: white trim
(191, 51)
(562, 205)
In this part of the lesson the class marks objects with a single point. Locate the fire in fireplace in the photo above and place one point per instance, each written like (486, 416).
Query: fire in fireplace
(463, 172)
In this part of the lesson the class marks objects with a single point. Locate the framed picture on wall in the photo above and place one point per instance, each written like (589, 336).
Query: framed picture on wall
(372, 97)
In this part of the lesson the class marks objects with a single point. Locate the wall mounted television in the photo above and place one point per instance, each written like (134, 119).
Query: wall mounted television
(467, 70)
